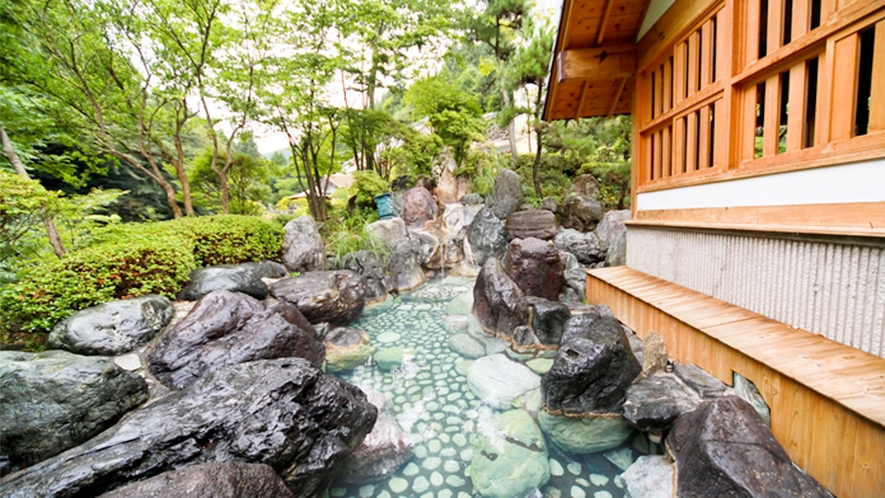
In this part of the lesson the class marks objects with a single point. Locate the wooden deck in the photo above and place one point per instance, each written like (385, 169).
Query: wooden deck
(827, 400)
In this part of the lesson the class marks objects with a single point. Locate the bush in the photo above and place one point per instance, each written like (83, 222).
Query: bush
(132, 260)
(366, 186)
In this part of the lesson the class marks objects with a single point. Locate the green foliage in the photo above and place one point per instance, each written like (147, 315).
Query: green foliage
(248, 182)
(552, 180)
(416, 156)
(346, 233)
(367, 184)
(481, 168)
(24, 203)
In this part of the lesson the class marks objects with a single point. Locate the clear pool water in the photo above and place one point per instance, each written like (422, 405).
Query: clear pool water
(429, 398)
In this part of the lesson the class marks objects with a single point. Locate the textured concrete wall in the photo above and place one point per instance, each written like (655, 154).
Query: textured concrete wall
(829, 287)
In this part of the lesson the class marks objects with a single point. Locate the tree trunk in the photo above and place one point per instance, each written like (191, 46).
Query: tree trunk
(537, 165)
(182, 174)
(19, 166)
(511, 129)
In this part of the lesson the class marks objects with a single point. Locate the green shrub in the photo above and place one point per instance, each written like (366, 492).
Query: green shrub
(366, 186)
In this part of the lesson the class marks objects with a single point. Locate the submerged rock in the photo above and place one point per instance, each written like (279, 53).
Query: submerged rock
(224, 277)
(466, 346)
(303, 248)
(112, 328)
(334, 297)
(649, 477)
(55, 400)
(284, 413)
(226, 328)
(209, 480)
(510, 457)
(583, 435)
(390, 358)
(535, 266)
(498, 381)
(346, 349)
(498, 303)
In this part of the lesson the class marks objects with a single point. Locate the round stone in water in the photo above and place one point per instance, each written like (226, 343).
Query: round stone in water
(398, 484)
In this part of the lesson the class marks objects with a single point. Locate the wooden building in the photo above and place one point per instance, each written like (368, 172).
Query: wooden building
(757, 244)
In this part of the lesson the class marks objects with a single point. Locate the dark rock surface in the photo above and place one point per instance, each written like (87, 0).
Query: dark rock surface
(335, 297)
(537, 223)
(723, 448)
(227, 328)
(55, 400)
(576, 280)
(592, 368)
(585, 184)
(383, 451)
(548, 319)
(486, 236)
(406, 263)
(524, 339)
(419, 207)
(374, 268)
(209, 480)
(585, 246)
(266, 269)
(535, 266)
(700, 381)
(112, 328)
(232, 278)
(506, 196)
(580, 212)
(284, 413)
(653, 403)
(498, 303)
(303, 248)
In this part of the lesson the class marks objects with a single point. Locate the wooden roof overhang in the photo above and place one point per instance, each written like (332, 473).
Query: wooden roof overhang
(594, 59)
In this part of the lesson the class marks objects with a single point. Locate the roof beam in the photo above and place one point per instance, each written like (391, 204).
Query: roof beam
(611, 110)
(604, 23)
(597, 63)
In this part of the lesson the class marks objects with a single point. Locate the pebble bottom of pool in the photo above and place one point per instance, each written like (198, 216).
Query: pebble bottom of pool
(429, 398)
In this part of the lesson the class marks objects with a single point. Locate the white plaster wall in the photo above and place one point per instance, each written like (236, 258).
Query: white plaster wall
(656, 9)
(826, 287)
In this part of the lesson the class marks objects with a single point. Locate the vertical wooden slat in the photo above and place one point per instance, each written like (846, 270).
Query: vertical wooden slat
(659, 91)
(706, 53)
(667, 83)
(775, 24)
(796, 110)
(694, 41)
(750, 29)
(845, 71)
(704, 142)
(827, 11)
(692, 147)
(666, 152)
(678, 73)
(824, 85)
(720, 136)
(678, 147)
(801, 17)
(877, 96)
(772, 106)
(748, 124)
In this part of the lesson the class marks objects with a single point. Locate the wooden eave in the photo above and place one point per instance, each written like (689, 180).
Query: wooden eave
(594, 59)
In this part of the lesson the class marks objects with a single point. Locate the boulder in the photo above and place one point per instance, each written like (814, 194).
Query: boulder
(592, 368)
(724, 448)
(55, 400)
(374, 268)
(389, 231)
(701, 382)
(510, 457)
(450, 188)
(346, 349)
(506, 196)
(209, 480)
(457, 217)
(537, 223)
(616, 255)
(266, 268)
(584, 435)
(745, 389)
(550, 204)
(466, 346)
(612, 225)
(486, 237)
(406, 264)
(283, 412)
(112, 328)
(383, 450)
(419, 207)
(534, 266)
(650, 476)
(653, 403)
(654, 354)
(498, 303)
(524, 342)
(585, 185)
(491, 344)
(335, 297)
(232, 278)
(472, 199)
(581, 213)
(585, 246)
(498, 381)
(303, 248)
(226, 328)
(548, 319)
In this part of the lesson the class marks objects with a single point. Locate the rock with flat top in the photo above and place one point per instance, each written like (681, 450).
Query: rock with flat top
(335, 297)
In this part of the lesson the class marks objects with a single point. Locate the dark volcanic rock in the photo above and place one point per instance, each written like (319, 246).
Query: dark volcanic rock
(112, 328)
(548, 319)
(576, 281)
(592, 368)
(419, 207)
(703, 383)
(55, 400)
(585, 246)
(537, 223)
(226, 328)
(653, 403)
(535, 266)
(335, 297)
(284, 413)
(209, 480)
(374, 267)
(498, 302)
(232, 278)
(723, 448)
(303, 248)
(580, 212)
(266, 269)
(486, 236)
(506, 196)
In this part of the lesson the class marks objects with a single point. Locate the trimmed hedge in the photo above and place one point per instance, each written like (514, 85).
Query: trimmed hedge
(133, 260)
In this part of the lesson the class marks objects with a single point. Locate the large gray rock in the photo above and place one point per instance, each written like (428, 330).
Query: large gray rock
(537, 223)
(724, 448)
(535, 266)
(576, 282)
(284, 413)
(497, 380)
(419, 207)
(548, 319)
(457, 217)
(303, 248)
(406, 263)
(498, 303)
(486, 237)
(612, 225)
(585, 246)
(585, 185)
(745, 389)
(592, 368)
(209, 480)
(266, 269)
(616, 255)
(55, 400)
(388, 231)
(335, 297)
(374, 267)
(580, 212)
(383, 450)
(700, 381)
(232, 278)
(506, 196)
(653, 403)
(112, 328)
(650, 476)
(227, 328)
(472, 199)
